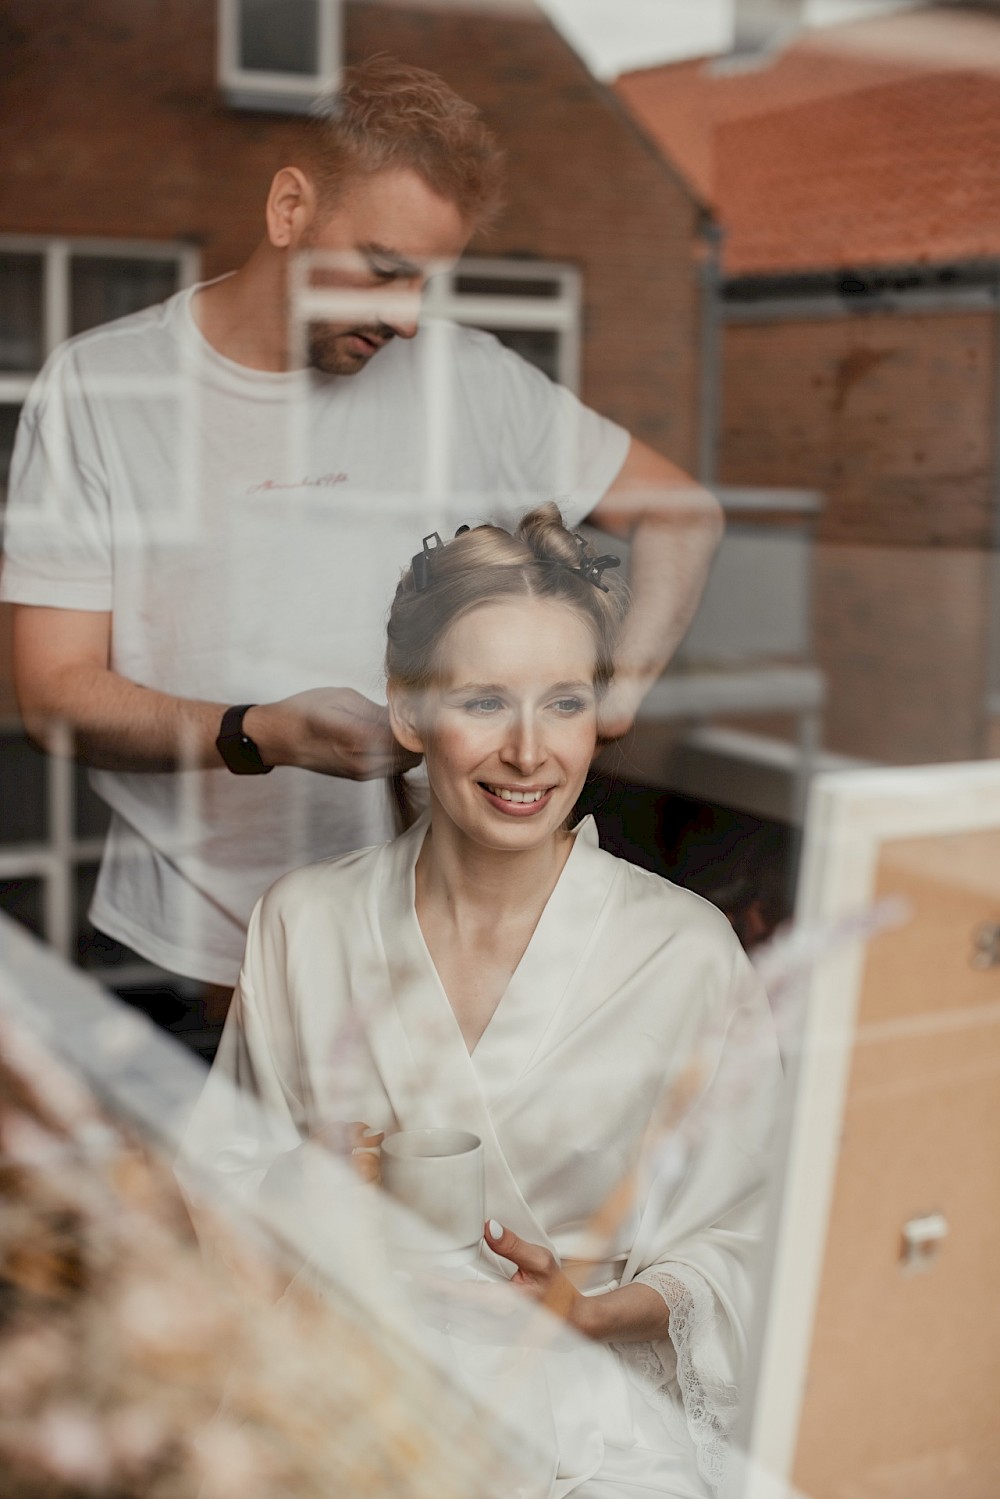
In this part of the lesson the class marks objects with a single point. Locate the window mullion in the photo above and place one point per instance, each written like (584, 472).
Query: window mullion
(569, 349)
(56, 311)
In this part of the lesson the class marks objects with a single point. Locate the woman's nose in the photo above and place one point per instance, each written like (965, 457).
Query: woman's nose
(524, 749)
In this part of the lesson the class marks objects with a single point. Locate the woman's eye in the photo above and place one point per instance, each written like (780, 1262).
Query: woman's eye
(484, 705)
(568, 705)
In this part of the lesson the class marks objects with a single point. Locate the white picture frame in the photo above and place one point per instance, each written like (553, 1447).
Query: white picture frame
(851, 817)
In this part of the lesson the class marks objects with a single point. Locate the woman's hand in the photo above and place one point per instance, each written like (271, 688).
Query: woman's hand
(539, 1275)
(630, 1314)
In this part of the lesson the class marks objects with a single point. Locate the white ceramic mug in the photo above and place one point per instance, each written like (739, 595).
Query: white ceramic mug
(438, 1174)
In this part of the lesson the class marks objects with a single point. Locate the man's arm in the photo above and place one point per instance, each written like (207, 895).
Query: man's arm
(63, 680)
(675, 526)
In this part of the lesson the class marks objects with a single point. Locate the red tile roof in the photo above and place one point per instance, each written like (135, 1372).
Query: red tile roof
(866, 145)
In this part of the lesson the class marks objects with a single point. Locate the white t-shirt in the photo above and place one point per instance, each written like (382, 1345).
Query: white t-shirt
(247, 531)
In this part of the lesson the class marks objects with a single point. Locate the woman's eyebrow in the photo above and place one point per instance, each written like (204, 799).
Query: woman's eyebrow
(498, 689)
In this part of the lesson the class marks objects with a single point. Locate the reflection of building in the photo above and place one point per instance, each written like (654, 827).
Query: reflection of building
(854, 179)
(133, 166)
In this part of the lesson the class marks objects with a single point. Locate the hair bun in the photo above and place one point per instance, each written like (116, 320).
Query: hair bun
(544, 531)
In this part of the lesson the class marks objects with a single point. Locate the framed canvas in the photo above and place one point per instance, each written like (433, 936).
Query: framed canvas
(874, 1367)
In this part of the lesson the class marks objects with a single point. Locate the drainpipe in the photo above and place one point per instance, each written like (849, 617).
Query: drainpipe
(710, 392)
(991, 703)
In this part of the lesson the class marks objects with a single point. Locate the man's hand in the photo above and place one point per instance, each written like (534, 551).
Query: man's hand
(332, 730)
(73, 702)
(674, 526)
(617, 709)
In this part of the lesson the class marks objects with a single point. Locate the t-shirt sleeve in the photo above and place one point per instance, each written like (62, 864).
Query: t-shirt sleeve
(552, 447)
(56, 534)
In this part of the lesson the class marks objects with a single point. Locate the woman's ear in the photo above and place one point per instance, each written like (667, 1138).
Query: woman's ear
(403, 718)
(291, 207)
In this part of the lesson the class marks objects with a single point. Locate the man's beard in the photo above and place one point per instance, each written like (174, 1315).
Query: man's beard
(326, 350)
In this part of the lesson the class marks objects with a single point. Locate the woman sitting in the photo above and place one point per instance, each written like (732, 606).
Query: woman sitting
(598, 1028)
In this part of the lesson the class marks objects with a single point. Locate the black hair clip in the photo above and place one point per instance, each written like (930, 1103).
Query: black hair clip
(420, 565)
(593, 568)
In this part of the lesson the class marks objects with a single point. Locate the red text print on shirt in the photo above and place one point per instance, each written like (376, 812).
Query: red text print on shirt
(322, 481)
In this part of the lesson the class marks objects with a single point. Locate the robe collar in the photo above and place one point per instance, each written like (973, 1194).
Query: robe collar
(418, 1044)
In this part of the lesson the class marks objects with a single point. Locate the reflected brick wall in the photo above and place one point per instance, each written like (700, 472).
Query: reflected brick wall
(114, 127)
(893, 418)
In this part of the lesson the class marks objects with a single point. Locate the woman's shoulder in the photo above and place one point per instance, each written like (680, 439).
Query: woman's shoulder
(668, 908)
(659, 927)
(343, 877)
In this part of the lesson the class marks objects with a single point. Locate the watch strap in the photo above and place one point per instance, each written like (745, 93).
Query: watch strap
(238, 750)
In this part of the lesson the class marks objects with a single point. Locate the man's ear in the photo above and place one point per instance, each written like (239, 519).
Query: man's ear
(291, 207)
(404, 719)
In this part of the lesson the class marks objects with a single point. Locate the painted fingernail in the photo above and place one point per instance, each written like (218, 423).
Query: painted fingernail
(495, 1228)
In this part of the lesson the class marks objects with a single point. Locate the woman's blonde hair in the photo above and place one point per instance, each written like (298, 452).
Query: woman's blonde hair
(488, 565)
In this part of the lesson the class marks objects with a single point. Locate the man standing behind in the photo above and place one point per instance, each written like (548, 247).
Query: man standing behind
(201, 519)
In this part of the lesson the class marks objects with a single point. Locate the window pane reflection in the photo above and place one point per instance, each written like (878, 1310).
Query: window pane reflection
(22, 805)
(104, 287)
(539, 346)
(92, 815)
(24, 900)
(21, 340)
(279, 36)
(8, 426)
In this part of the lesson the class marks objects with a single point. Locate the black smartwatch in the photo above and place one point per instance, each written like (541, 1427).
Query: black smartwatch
(237, 749)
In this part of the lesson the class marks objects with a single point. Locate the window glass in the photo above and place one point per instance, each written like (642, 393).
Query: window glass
(103, 287)
(22, 805)
(8, 426)
(92, 815)
(21, 337)
(279, 36)
(94, 949)
(24, 900)
(472, 284)
(539, 346)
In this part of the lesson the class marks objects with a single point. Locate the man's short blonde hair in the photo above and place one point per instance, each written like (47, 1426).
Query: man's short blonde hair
(390, 115)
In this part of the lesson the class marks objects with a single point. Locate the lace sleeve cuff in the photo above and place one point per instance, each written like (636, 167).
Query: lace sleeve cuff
(688, 1364)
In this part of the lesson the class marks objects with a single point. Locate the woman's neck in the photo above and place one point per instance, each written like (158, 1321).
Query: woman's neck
(478, 909)
(469, 881)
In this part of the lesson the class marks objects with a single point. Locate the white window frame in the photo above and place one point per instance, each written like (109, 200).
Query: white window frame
(443, 301)
(55, 858)
(560, 314)
(57, 254)
(287, 93)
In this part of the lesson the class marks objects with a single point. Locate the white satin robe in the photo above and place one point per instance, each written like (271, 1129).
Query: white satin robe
(633, 1043)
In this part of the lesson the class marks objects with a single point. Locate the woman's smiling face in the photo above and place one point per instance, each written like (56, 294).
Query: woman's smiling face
(509, 728)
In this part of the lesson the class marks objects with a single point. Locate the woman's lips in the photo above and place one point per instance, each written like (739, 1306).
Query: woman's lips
(511, 808)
